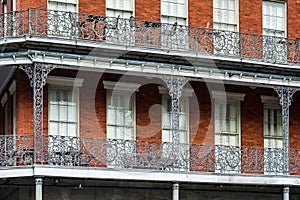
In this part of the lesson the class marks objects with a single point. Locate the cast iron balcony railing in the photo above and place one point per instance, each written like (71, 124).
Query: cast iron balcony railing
(62, 151)
(139, 33)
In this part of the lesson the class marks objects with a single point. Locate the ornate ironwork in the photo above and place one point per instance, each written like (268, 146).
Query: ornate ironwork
(132, 32)
(125, 154)
(37, 74)
(12, 24)
(16, 150)
(175, 85)
(285, 94)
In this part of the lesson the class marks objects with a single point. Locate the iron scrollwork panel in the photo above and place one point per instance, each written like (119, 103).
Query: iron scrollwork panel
(37, 74)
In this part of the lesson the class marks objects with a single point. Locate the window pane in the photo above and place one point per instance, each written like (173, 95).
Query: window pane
(63, 111)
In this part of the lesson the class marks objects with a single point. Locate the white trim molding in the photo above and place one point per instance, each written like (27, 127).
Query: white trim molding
(221, 95)
(65, 81)
(4, 99)
(121, 86)
(186, 92)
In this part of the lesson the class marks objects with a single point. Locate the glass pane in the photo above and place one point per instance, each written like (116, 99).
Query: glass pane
(111, 113)
(63, 129)
(53, 128)
(63, 113)
(53, 112)
(72, 114)
(166, 136)
(110, 132)
(72, 130)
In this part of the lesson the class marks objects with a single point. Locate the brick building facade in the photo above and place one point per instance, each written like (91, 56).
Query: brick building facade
(133, 99)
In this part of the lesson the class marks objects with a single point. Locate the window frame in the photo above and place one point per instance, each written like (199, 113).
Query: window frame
(271, 102)
(237, 14)
(119, 9)
(112, 88)
(66, 83)
(284, 15)
(228, 98)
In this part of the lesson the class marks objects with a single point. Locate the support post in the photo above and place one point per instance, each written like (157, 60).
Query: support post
(286, 193)
(38, 189)
(175, 194)
(175, 86)
(285, 94)
(37, 74)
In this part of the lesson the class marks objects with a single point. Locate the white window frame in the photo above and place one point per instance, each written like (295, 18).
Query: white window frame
(227, 98)
(272, 102)
(236, 16)
(115, 8)
(127, 157)
(115, 88)
(174, 33)
(72, 84)
(275, 44)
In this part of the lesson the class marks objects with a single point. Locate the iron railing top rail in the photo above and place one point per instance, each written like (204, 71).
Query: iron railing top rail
(142, 33)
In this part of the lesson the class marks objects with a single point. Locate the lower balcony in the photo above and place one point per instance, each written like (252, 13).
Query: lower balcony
(63, 152)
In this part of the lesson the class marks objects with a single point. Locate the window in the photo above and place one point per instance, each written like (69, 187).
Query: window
(62, 18)
(227, 131)
(120, 116)
(120, 8)
(63, 117)
(119, 29)
(273, 139)
(274, 24)
(63, 111)
(174, 15)
(225, 17)
(120, 123)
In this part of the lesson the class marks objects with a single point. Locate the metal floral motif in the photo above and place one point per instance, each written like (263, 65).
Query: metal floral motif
(132, 32)
(127, 154)
(285, 95)
(37, 74)
(16, 150)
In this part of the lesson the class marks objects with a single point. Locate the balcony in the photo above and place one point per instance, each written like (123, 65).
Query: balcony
(63, 152)
(67, 26)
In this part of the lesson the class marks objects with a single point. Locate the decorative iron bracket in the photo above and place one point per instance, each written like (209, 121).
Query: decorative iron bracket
(175, 85)
(37, 74)
(285, 95)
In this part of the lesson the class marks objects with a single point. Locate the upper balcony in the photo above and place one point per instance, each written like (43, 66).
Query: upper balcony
(108, 32)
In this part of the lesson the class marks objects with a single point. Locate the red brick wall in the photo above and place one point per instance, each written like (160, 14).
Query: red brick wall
(200, 13)
(250, 16)
(92, 7)
(25, 4)
(24, 110)
(148, 113)
(201, 123)
(293, 22)
(147, 10)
